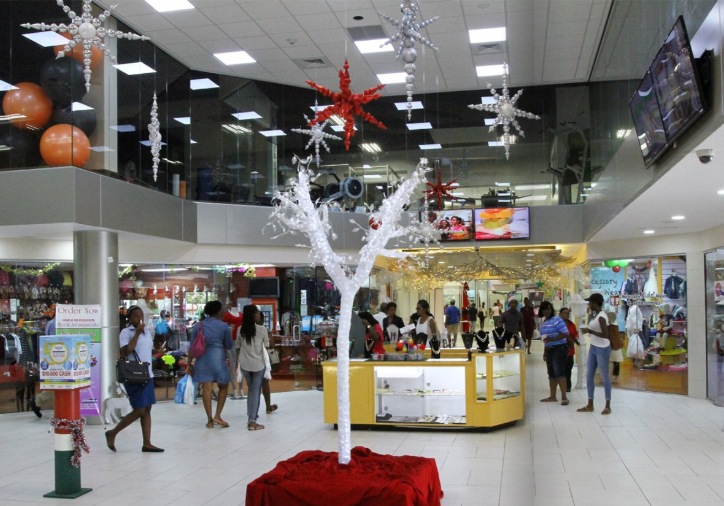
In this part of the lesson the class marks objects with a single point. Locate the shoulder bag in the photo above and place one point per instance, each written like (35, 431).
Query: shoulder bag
(199, 346)
(615, 337)
(132, 372)
(273, 356)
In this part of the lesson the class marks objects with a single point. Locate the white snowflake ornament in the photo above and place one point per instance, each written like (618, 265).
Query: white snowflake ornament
(506, 111)
(317, 136)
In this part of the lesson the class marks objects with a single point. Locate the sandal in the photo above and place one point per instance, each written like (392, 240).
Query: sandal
(221, 424)
(210, 424)
(584, 409)
(254, 426)
(548, 399)
(564, 402)
(271, 409)
(606, 411)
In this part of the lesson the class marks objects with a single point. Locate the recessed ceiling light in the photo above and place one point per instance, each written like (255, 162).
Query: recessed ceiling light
(317, 108)
(246, 115)
(402, 106)
(458, 194)
(7, 86)
(495, 143)
(47, 39)
(170, 5)
(373, 46)
(371, 147)
(649, 231)
(372, 176)
(379, 187)
(392, 78)
(80, 106)
(191, 141)
(430, 146)
(134, 69)
(148, 143)
(441, 261)
(202, 84)
(419, 126)
(454, 185)
(124, 128)
(235, 58)
(585, 195)
(529, 187)
(502, 184)
(484, 35)
(678, 217)
(721, 192)
(272, 133)
(530, 254)
(487, 101)
(489, 70)
(235, 129)
(186, 120)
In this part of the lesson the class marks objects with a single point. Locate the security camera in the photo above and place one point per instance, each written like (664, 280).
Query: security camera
(705, 155)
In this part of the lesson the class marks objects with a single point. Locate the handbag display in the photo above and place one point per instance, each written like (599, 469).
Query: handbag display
(199, 347)
(132, 372)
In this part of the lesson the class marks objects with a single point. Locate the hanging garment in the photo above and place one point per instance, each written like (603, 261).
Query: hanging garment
(672, 287)
(651, 288)
(634, 321)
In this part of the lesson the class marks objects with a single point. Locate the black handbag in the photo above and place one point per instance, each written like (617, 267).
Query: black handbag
(135, 373)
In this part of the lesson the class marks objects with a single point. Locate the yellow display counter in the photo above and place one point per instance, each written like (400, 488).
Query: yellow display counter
(445, 393)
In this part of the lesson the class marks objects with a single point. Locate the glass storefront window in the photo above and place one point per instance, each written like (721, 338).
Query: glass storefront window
(715, 325)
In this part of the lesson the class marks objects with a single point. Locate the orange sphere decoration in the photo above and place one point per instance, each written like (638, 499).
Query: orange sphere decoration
(65, 145)
(30, 101)
(77, 52)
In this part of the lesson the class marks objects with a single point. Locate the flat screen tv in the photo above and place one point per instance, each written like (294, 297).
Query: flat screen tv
(504, 223)
(453, 224)
(264, 288)
(672, 83)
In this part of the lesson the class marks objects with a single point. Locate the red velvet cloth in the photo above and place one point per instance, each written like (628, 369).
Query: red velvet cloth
(315, 478)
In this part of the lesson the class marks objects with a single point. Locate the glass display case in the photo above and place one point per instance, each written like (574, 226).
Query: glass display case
(420, 395)
(505, 376)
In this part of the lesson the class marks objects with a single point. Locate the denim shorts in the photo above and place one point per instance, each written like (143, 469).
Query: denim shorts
(556, 361)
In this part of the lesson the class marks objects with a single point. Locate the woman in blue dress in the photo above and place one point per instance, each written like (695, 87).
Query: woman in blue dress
(211, 367)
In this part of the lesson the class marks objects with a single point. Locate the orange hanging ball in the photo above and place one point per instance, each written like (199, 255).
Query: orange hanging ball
(77, 52)
(30, 103)
(65, 145)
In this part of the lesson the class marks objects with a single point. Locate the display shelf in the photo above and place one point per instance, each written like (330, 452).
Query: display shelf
(428, 393)
(500, 374)
(499, 395)
(424, 420)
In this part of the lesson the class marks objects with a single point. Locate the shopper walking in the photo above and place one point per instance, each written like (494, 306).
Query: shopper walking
(599, 353)
(136, 345)
(554, 333)
(482, 315)
(452, 322)
(211, 367)
(528, 312)
(495, 313)
(513, 323)
(573, 332)
(251, 344)
(473, 314)
(265, 387)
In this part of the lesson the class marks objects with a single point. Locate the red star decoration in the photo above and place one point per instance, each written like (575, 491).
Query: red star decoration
(347, 104)
(439, 190)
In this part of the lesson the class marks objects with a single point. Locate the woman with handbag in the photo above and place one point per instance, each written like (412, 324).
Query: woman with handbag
(572, 343)
(374, 344)
(136, 345)
(251, 343)
(210, 367)
(265, 387)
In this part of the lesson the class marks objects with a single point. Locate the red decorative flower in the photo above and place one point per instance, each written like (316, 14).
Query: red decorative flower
(439, 190)
(347, 105)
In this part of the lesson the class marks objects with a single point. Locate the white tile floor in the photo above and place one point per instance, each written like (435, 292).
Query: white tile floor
(657, 450)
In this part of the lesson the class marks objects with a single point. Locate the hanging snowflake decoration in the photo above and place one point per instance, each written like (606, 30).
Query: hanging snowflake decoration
(154, 135)
(317, 135)
(439, 190)
(408, 32)
(86, 31)
(505, 108)
(347, 104)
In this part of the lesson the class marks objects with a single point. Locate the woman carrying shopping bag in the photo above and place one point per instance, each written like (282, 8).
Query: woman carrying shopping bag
(252, 341)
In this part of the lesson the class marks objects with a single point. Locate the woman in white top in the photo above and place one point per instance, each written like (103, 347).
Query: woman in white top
(495, 313)
(252, 340)
(425, 323)
(599, 352)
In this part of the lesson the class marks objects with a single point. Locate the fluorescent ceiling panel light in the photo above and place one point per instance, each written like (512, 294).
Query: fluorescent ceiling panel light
(135, 69)
(124, 128)
(530, 254)
(430, 146)
(489, 70)
(235, 129)
(584, 194)
(502, 184)
(372, 176)
(483, 35)
(678, 217)
(454, 185)
(79, 106)
(373, 46)
(246, 115)
(371, 147)
(392, 78)
(339, 128)
(720, 192)
(170, 5)
(419, 126)
(191, 141)
(487, 101)
(649, 232)
(7, 86)
(534, 197)
(495, 143)
(101, 149)
(458, 194)
(235, 58)
(402, 106)
(169, 269)
(529, 187)
(366, 166)
(202, 84)
(450, 266)
(148, 143)
(440, 261)
(503, 200)
(47, 39)
(489, 121)
(272, 133)
(336, 120)
(503, 194)
(186, 120)
(620, 134)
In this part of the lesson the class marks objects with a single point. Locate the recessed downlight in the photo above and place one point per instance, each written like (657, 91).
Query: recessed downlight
(678, 217)
(649, 232)
(721, 192)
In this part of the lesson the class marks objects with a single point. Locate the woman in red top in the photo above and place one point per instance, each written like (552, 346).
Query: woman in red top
(373, 339)
(573, 332)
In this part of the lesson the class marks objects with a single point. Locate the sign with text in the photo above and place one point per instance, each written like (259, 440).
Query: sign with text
(65, 362)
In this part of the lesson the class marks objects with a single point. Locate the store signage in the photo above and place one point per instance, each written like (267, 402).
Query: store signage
(304, 298)
(85, 320)
(640, 301)
(65, 362)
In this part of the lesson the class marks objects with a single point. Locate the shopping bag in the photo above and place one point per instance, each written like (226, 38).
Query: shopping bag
(635, 348)
(178, 398)
(273, 356)
(267, 365)
(190, 393)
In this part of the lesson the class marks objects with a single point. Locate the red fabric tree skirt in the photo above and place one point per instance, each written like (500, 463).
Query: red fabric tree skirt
(315, 478)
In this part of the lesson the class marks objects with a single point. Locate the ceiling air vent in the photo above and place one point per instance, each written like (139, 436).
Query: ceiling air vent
(311, 63)
(490, 48)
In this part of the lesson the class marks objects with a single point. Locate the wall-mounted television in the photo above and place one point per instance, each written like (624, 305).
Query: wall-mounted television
(502, 223)
(670, 98)
(264, 288)
(453, 224)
